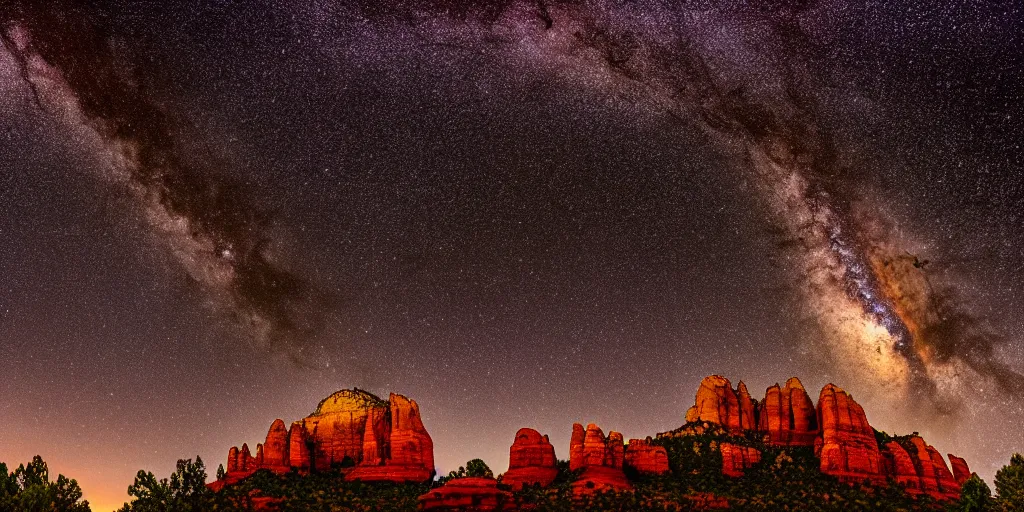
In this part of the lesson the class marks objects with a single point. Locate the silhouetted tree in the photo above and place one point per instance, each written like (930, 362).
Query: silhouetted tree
(1010, 484)
(478, 468)
(184, 491)
(29, 489)
(975, 496)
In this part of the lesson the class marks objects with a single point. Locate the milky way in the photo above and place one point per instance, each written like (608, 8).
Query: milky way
(519, 213)
(752, 77)
(205, 218)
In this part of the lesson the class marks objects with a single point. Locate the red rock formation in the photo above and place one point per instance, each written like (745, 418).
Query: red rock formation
(298, 449)
(788, 416)
(736, 459)
(531, 460)
(935, 477)
(847, 446)
(408, 452)
(576, 456)
(463, 494)
(717, 402)
(275, 449)
(600, 478)
(960, 470)
(232, 459)
(600, 457)
(410, 443)
(384, 440)
(646, 457)
(900, 466)
(246, 462)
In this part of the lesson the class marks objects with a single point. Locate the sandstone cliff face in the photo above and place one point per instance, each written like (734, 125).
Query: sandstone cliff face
(275, 449)
(960, 470)
(933, 474)
(384, 440)
(717, 402)
(736, 459)
(464, 494)
(600, 458)
(645, 457)
(531, 460)
(847, 446)
(788, 416)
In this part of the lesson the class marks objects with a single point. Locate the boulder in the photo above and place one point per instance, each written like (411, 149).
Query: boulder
(788, 416)
(736, 459)
(847, 447)
(645, 457)
(531, 460)
(464, 494)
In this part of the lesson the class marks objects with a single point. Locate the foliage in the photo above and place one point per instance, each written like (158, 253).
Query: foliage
(184, 491)
(1010, 484)
(323, 490)
(29, 489)
(975, 496)
(473, 468)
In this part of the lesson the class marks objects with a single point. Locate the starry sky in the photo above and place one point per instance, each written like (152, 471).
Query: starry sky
(518, 213)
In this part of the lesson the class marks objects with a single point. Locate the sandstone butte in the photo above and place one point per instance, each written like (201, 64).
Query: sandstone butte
(531, 460)
(377, 440)
(836, 427)
(370, 438)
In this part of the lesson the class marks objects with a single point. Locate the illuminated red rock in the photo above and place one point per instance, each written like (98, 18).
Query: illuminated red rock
(246, 462)
(788, 416)
(847, 446)
(736, 459)
(900, 466)
(467, 494)
(298, 449)
(600, 457)
(600, 479)
(531, 460)
(384, 440)
(936, 479)
(258, 463)
(646, 457)
(410, 443)
(232, 459)
(275, 448)
(717, 402)
(961, 473)
(576, 455)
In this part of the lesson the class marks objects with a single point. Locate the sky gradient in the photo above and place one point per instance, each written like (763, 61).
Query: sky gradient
(516, 213)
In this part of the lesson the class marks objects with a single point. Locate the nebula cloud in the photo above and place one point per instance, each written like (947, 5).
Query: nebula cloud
(205, 218)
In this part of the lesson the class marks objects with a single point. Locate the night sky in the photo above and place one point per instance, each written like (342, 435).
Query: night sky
(518, 213)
